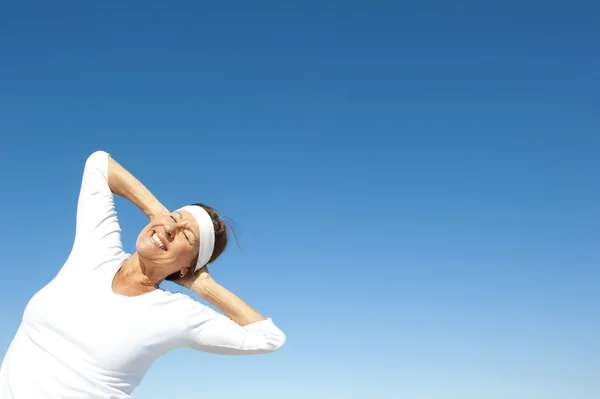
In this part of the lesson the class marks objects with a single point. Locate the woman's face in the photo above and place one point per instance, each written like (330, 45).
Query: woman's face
(169, 241)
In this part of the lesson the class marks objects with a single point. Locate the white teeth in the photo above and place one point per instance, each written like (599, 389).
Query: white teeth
(158, 241)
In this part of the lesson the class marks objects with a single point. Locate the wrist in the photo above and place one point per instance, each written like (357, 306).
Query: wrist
(156, 211)
(203, 284)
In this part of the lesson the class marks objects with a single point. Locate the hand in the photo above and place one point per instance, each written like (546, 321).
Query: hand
(194, 281)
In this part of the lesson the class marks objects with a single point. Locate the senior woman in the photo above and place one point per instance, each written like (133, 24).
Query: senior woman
(97, 327)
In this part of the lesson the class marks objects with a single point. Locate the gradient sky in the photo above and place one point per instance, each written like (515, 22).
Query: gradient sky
(414, 185)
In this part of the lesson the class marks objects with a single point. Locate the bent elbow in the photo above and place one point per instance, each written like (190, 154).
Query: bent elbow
(93, 158)
(267, 337)
(278, 341)
(271, 342)
(97, 160)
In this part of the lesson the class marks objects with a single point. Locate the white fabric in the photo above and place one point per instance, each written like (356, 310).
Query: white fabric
(78, 339)
(207, 233)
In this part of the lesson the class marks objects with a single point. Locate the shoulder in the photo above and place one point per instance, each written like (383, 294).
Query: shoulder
(182, 308)
(176, 301)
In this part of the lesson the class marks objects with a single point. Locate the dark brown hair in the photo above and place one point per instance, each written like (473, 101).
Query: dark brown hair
(220, 238)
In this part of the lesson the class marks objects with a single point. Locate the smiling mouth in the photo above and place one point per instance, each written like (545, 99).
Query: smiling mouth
(158, 241)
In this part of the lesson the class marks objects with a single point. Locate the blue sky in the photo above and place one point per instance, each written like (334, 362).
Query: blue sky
(414, 186)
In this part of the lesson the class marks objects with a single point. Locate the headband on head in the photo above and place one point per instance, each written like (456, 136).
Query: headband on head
(207, 233)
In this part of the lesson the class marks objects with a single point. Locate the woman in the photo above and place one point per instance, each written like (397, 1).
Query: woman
(97, 327)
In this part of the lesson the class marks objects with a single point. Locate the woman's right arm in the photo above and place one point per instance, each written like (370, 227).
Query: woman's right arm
(125, 185)
(96, 222)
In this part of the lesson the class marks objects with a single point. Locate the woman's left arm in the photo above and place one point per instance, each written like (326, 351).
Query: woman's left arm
(125, 185)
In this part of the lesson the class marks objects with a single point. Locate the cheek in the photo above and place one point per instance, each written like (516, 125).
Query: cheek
(183, 250)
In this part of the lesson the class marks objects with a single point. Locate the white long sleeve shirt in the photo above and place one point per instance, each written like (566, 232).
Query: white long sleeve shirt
(78, 339)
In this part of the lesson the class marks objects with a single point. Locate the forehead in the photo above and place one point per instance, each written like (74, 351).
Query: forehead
(191, 221)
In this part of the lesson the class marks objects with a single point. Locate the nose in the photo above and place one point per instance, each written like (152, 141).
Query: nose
(171, 229)
(169, 233)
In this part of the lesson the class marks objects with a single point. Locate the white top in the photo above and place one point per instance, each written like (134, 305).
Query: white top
(78, 339)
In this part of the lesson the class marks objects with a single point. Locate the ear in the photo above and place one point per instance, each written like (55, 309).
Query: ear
(184, 272)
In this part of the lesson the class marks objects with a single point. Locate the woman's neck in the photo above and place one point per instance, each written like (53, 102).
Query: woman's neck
(134, 278)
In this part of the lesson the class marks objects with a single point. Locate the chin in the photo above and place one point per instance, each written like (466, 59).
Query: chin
(144, 245)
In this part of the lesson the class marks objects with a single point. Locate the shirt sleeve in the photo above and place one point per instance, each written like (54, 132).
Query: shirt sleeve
(97, 231)
(211, 332)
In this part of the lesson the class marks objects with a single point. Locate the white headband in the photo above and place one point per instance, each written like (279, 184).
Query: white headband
(207, 233)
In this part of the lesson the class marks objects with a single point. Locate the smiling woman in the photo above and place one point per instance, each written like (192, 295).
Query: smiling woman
(98, 326)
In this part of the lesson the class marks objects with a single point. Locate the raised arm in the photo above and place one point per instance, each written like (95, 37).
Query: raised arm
(97, 224)
(224, 300)
(125, 185)
(242, 331)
